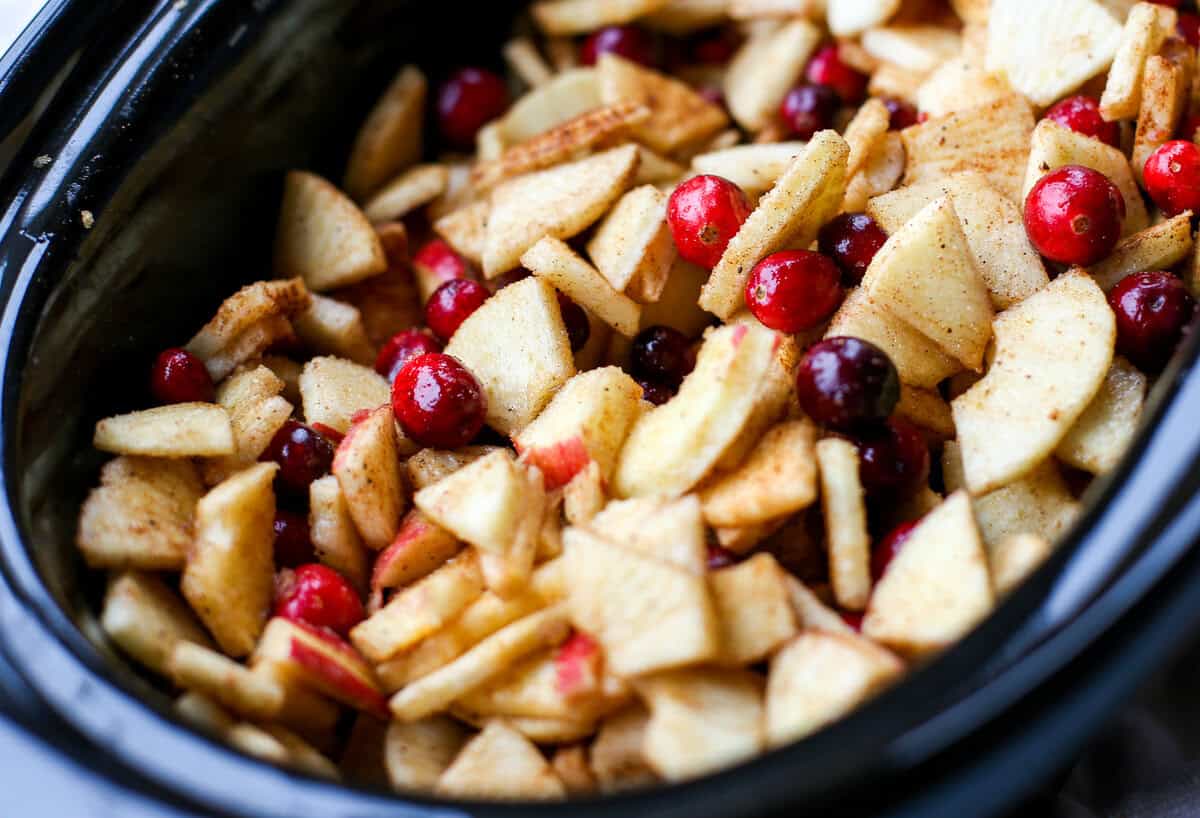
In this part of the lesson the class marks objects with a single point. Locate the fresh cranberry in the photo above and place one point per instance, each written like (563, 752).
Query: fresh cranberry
(329, 433)
(1073, 215)
(847, 383)
(827, 68)
(293, 539)
(451, 304)
(1191, 124)
(579, 329)
(179, 376)
(1172, 175)
(720, 557)
(402, 346)
(656, 392)
(441, 261)
(901, 115)
(319, 596)
(660, 354)
(854, 619)
(886, 549)
(1153, 311)
(852, 240)
(438, 401)
(1189, 28)
(1169, 3)
(1082, 114)
(704, 213)
(715, 47)
(629, 42)
(893, 460)
(793, 290)
(470, 99)
(809, 108)
(303, 455)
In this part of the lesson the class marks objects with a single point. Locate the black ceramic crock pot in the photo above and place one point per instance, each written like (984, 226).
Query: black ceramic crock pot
(167, 142)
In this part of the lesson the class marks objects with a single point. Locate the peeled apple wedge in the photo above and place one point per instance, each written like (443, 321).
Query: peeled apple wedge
(672, 447)
(1053, 351)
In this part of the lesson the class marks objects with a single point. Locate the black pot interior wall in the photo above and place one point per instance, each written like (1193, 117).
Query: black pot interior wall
(182, 225)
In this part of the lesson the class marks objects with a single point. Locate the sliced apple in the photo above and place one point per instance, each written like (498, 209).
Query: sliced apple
(753, 609)
(212, 674)
(367, 467)
(1158, 247)
(753, 168)
(247, 324)
(778, 478)
(146, 620)
(420, 546)
(633, 248)
(480, 503)
(417, 753)
(811, 611)
(617, 757)
(764, 69)
(1147, 25)
(500, 763)
(332, 327)
(850, 17)
(428, 466)
(848, 540)
(670, 530)
(412, 189)
(230, 571)
(256, 410)
(553, 260)
(517, 346)
(1102, 434)
(572, 92)
(390, 138)
(175, 430)
(334, 390)
(334, 536)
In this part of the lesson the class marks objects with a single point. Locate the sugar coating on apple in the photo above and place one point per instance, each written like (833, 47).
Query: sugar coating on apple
(559, 462)
(420, 547)
(577, 666)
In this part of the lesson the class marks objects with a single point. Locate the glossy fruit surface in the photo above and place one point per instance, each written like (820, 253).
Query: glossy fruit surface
(793, 290)
(661, 354)
(303, 455)
(1189, 28)
(809, 108)
(827, 68)
(1073, 215)
(901, 115)
(293, 540)
(893, 460)
(886, 549)
(316, 595)
(852, 240)
(629, 42)
(451, 304)
(1153, 312)
(579, 329)
(847, 383)
(656, 392)
(704, 213)
(468, 100)
(178, 376)
(714, 47)
(1172, 175)
(401, 347)
(1082, 114)
(438, 402)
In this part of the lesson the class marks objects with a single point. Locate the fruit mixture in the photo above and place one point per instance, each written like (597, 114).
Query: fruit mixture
(708, 370)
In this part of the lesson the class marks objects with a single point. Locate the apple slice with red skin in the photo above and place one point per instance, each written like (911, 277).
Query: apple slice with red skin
(322, 661)
(578, 666)
(420, 547)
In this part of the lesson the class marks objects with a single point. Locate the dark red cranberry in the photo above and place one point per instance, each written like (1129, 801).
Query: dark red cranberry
(715, 47)
(719, 557)
(660, 354)
(319, 596)
(809, 108)
(451, 304)
(179, 376)
(1168, 3)
(893, 460)
(579, 329)
(440, 261)
(402, 346)
(886, 549)
(793, 290)
(1191, 124)
(303, 455)
(470, 99)
(852, 240)
(1189, 28)
(847, 383)
(1172, 176)
(827, 68)
(629, 42)
(293, 540)
(1073, 215)
(704, 213)
(854, 619)
(901, 115)
(1082, 114)
(713, 94)
(656, 392)
(1153, 310)
(438, 401)
(329, 433)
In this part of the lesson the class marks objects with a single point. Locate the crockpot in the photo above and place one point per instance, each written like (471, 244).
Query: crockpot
(148, 188)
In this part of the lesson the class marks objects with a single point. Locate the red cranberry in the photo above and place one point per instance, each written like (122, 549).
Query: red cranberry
(809, 108)
(1169, 3)
(847, 383)
(1172, 175)
(656, 392)
(629, 42)
(402, 346)
(704, 213)
(886, 549)
(893, 460)
(901, 115)
(319, 596)
(1073, 215)
(470, 99)
(714, 47)
(660, 354)
(1082, 115)
(179, 376)
(1189, 28)
(1153, 311)
(854, 619)
(852, 240)
(441, 261)
(719, 557)
(579, 329)
(451, 304)
(827, 68)
(303, 455)
(793, 290)
(293, 540)
(438, 401)
(329, 433)
(713, 94)
(1191, 124)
